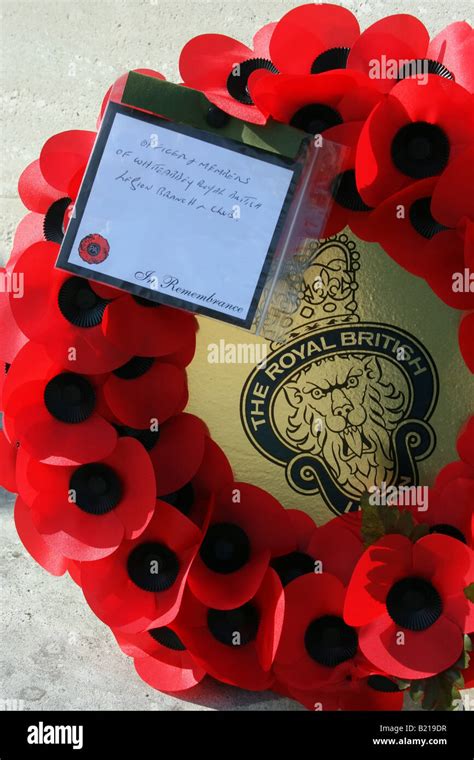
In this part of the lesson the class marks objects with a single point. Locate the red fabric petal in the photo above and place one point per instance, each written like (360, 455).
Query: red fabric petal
(12, 339)
(177, 455)
(391, 227)
(454, 48)
(34, 191)
(443, 560)
(446, 253)
(156, 395)
(451, 472)
(168, 678)
(420, 654)
(305, 32)
(64, 156)
(8, 455)
(381, 565)
(137, 477)
(271, 601)
(226, 592)
(48, 558)
(465, 442)
(452, 196)
(28, 232)
(337, 548)
(398, 37)
(205, 64)
(145, 331)
(74, 533)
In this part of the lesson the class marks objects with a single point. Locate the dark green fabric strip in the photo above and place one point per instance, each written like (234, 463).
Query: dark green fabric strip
(183, 105)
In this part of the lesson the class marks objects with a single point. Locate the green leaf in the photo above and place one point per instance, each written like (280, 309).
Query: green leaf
(469, 592)
(402, 685)
(417, 689)
(467, 643)
(373, 527)
(405, 524)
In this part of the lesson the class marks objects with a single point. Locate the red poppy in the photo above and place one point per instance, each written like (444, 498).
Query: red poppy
(94, 249)
(52, 412)
(466, 340)
(314, 104)
(236, 646)
(161, 659)
(8, 455)
(237, 548)
(145, 392)
(316, 645)
(331, 548)
(64, 313)
(140, 585)
(220, 67)
(312, 39)
(145, 328)
(412, 134)
(409, 601)
(85, 512)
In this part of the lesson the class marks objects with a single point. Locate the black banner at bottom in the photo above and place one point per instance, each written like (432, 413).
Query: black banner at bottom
(377, 734)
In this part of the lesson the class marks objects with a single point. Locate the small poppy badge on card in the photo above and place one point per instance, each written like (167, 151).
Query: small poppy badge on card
(94, 249)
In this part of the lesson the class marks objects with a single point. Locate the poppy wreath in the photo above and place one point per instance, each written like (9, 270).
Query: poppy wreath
(194, 573)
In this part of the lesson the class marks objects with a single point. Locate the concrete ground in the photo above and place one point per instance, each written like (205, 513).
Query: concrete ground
(58, 59)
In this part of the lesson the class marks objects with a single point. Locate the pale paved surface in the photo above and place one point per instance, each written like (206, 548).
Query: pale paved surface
(58, 58)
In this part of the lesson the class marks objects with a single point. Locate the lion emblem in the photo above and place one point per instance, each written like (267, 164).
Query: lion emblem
(343, 410)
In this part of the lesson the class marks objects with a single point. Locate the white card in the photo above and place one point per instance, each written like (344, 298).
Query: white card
(189, 216)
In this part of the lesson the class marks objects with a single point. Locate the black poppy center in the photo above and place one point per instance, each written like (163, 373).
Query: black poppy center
(422, 220)
(148, 438)
(420, 150)
(135, 367)
(413, 603)
(449, 530)
(234, 627)
(69, 398)
(345, 193)
(97, 488)
(382, 683)
(79, 304)
(167, 638)
(423, 66)
(330, 641)
(53, 225)
(238, 78)
(315, 118)
(153, 566)
(334, 58)
(292, 566)
(182, 499)
(226, 548)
